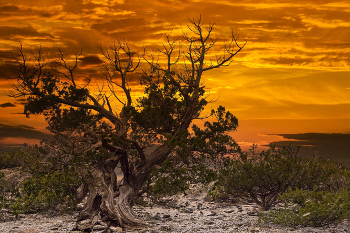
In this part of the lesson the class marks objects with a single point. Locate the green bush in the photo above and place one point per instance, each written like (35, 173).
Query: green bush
(170, 180)
(9, 159)
(325, 175)
(262, 177)
(56, 191)
(310, 208)
(52, 185)
(265, 176)
(8, 192)
(3, 187)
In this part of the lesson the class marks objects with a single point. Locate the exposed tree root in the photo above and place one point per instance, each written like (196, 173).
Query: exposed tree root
(102, 210)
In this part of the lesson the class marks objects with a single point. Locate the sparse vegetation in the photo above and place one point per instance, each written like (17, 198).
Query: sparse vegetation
(310, 208)
(321, 198)
(40, 193)
(50, 185)
(261, 177)
(168, 180)
(9, 159)
(3, 191)
(313, 193)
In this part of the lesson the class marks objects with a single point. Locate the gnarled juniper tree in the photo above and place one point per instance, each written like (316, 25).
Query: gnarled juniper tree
(104, 136)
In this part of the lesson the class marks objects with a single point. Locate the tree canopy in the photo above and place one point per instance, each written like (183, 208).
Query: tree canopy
(112, 127)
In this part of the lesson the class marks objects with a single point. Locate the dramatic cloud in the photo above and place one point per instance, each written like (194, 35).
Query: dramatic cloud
(20, 131)
(8, 8)
(120, 24)
(6, 146)
(90, 60)
(295, 65)
(29, 31)
(7, 105)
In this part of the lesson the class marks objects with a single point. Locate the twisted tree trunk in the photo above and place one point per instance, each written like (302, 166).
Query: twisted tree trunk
(103, 209)
(108, 205)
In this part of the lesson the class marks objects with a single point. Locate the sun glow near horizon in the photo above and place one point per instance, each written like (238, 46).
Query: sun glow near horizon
(291, 77)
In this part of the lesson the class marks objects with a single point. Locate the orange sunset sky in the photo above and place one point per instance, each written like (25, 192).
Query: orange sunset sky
(291, 82)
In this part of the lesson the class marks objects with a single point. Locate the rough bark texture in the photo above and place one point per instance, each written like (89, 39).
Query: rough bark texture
(103, 209)
(108, 205)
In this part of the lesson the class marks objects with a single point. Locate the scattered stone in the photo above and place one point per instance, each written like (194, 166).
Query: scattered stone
(165, 228)
(190, 213)
(99, 228)
(254, 230)
(208, 223)
(229, 211)
(156, 216)
(252, 213)
(212, 214)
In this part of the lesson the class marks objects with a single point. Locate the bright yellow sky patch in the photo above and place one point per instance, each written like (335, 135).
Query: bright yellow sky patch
(294, 68)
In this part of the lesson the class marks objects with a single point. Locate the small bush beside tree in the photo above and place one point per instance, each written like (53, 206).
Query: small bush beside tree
(310, 208)
(51, 184)
(41, 193)
(9, 159)
(322, 198)
(325, 175)
(264, 176)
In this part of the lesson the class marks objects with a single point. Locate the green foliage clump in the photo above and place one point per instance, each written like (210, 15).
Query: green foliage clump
(8, 192)
(56, 191)
(9, 159)
(261, 177)
(51, 185)
(170, 180)
(3, 185)
(310, 208)
(167, 180)
(318, 196)
(325, 175)
(197, 156)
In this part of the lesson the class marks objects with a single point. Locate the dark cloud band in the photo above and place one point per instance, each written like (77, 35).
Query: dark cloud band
(7, 105)
(21, 131)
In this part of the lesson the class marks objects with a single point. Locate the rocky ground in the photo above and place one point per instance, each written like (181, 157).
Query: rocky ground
(190, 213)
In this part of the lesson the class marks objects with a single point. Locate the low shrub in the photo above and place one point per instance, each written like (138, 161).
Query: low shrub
(51, 184)
(8, 191)
(170, 180)
(325, 175)
(3, 187)
(56, 191)
(9, 159)
(310, 208)
(167, 180)
(262, 177)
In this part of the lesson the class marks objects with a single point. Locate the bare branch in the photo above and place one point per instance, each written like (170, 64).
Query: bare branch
(63, 63)
(121, 60)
